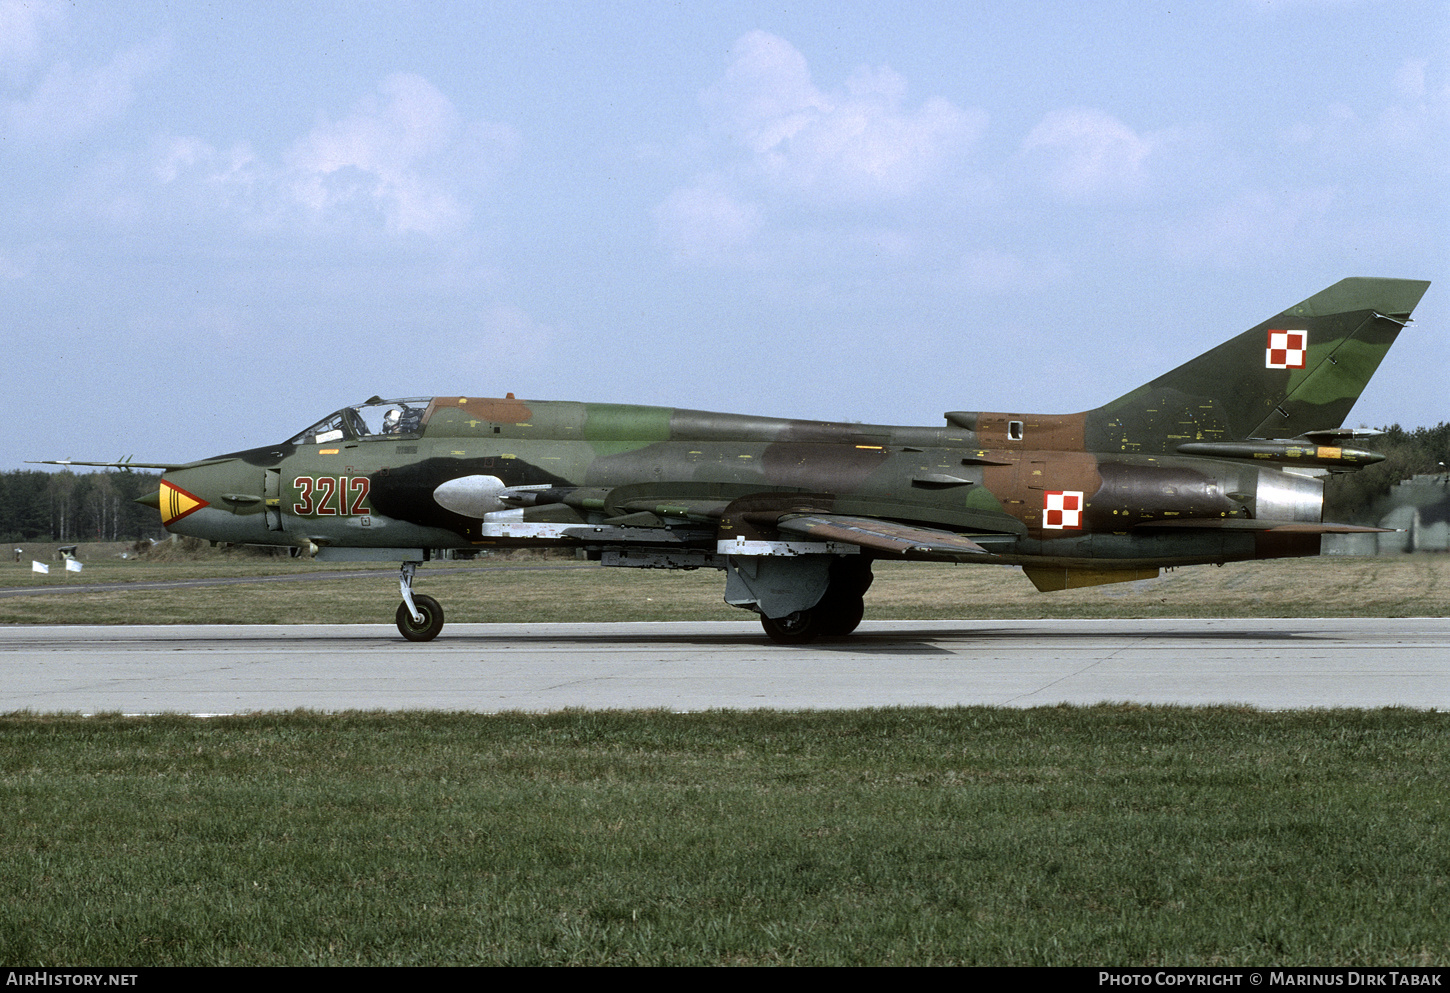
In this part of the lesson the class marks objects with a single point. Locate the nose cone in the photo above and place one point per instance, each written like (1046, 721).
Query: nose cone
(219, 501)
(175, 502)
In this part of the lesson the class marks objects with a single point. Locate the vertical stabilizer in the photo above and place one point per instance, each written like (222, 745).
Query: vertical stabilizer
(1301, 370)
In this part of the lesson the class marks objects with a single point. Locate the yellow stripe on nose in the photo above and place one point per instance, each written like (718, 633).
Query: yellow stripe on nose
(176, 503)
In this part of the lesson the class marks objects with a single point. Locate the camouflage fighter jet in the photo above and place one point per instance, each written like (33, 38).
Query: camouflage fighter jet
(1219, 460)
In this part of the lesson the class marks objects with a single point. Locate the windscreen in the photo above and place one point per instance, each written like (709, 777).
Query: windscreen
(376, 418)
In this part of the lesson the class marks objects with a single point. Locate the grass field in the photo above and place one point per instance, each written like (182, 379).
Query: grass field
(559, 590)
(1104, 835)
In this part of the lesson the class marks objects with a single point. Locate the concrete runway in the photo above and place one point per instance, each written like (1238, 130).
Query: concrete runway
(684, 666)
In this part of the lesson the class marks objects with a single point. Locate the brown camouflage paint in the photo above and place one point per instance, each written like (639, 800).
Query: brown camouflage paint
(1169, 473)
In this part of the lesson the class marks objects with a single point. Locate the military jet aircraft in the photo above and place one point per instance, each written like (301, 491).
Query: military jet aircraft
(1219, 460)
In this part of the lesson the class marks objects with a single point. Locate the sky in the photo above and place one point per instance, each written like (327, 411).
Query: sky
(220, 222)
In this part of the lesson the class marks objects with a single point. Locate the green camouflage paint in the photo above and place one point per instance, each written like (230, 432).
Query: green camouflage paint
(1211, 462)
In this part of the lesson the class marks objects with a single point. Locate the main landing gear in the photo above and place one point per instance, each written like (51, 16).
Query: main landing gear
(420, 617)
(833, 617)
(838, 613)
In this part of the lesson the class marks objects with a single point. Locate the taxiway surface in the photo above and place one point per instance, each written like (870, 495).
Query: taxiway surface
(683, 666)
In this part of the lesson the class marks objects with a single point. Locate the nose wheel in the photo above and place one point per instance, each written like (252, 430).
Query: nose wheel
(428, 627)
(419, 616)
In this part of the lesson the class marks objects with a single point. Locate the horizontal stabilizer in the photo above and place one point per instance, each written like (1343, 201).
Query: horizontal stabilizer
(1247, 524)
(882, 536)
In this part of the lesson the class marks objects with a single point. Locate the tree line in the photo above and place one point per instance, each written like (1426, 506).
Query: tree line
(68, 506)
(1349, 495)
(99, 506)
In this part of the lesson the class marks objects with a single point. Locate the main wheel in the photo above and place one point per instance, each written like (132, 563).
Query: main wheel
(840, 615)
(432, 622)
(793, 629)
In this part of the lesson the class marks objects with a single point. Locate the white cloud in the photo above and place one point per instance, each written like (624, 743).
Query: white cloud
(383, 157)
(198, 176)
(238, 167)
(1082, 153)
(766, 95)
(403, 161)
(22, 25)
(705, 222)
(1410, 79)
(1253, 228)
(858, 143)
(1412, 124)
(67, 102)
(781, 143)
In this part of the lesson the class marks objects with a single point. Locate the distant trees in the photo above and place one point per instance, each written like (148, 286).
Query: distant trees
(1422, 450)
(66, 506)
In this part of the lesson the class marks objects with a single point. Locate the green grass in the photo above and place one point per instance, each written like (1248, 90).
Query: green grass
(554, 590)
(1103, 835)
(1129, 836)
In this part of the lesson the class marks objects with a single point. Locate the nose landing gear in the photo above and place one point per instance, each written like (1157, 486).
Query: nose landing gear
(419, 616)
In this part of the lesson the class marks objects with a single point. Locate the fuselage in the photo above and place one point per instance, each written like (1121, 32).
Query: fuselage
(460, 472)
(1216, 460)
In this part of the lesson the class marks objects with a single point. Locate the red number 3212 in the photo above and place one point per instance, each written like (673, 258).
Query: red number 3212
(331, 496)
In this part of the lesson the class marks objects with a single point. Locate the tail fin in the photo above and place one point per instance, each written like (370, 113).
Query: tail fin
(1297, 372)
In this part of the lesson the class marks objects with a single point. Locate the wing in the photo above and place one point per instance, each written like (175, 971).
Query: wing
(128, 464)
(883, 536)
(110, 465)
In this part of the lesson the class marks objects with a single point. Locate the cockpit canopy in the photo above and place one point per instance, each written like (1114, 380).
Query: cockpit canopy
(374, 418)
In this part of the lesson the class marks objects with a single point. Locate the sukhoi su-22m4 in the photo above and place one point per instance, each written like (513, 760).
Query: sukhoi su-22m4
(1219, 460)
